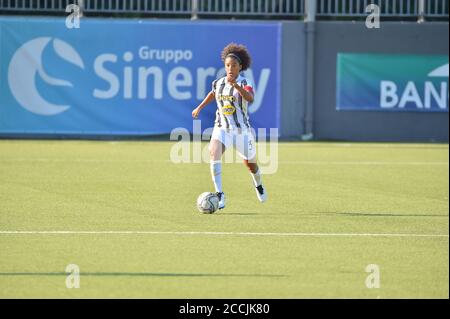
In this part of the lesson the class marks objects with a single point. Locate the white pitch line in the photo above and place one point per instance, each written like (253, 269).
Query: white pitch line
(282, 162)
(365, 145)
(364, 163)
(112, 232)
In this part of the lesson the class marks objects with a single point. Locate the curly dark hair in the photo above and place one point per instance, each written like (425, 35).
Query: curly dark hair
(239, 50)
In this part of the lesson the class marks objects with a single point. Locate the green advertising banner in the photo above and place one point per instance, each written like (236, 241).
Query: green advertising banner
(415, 83)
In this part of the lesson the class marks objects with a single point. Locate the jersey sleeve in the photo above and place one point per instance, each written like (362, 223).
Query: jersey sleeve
(248, 86)
(214, 84)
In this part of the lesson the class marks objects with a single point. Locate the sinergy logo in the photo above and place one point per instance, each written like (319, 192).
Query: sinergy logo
(139, 82)
(26, 63)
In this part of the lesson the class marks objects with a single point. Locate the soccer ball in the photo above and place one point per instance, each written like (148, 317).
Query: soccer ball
(208, 203)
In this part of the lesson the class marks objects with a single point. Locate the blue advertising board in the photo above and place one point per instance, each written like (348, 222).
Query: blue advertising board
(126, 77)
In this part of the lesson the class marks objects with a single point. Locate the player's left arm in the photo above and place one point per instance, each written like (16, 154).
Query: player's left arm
(246, 92)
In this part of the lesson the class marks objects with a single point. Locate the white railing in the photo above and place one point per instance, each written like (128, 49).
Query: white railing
(389, 8)
(237, 8)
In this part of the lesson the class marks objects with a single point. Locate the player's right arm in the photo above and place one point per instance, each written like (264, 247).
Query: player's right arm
(208, 99)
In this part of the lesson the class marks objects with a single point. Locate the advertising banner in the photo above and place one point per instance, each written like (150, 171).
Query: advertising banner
(414, 83)
(126, 77)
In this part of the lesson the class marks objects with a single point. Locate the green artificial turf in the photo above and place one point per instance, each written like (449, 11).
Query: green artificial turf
(328, 205)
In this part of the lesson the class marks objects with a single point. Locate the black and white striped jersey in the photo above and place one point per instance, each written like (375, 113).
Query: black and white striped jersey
(232, 109)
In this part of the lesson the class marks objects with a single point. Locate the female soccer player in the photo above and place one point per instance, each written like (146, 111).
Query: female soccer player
(232, 93)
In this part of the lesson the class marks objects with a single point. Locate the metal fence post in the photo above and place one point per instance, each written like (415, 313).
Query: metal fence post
(194, 9)
(310, 8)
(421, 10)
(81, 5)
(310, 29)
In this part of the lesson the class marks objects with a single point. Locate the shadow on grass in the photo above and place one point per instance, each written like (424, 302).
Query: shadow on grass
(239, 214)
(384, 214)
(132, 274)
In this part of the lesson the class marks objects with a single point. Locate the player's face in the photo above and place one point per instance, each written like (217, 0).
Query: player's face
(232, 67)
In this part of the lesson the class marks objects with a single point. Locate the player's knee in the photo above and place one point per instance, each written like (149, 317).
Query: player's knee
(211, 151)
(214, 153)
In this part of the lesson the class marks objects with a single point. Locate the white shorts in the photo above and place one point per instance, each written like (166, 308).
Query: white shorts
(243, 141)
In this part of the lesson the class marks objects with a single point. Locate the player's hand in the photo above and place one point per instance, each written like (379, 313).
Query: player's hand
(195, 113)
(233, 82)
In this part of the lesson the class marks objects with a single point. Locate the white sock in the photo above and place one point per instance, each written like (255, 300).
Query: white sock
(256, 178)
(216, 174)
